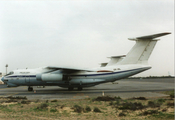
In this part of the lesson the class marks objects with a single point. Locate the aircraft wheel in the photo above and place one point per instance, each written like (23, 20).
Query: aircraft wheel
(80, 88)
(30, 88)
(70, 88)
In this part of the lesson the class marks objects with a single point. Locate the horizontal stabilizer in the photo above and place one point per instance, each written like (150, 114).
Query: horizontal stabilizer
(117, 56)
(115, 59)
(103, 64)
(150, 37)
(142, 50)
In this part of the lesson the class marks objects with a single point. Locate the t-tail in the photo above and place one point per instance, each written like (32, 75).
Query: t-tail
(142, 50)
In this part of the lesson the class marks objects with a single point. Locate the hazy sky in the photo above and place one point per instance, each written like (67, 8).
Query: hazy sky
(83, 33)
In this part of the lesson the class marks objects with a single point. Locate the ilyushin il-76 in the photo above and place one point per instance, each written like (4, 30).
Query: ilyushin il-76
(119, 67)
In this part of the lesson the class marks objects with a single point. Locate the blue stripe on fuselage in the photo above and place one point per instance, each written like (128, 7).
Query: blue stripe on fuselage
(21, 76)
(106, 73)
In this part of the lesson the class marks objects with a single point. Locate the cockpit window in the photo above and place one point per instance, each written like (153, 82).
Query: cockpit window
(10, 73)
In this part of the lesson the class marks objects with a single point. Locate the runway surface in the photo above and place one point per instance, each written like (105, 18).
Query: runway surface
(126, 88)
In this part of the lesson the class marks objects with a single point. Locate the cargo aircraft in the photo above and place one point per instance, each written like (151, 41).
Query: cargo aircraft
(119, 67)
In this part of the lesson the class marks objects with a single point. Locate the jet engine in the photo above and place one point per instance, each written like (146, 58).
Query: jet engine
(49, 77)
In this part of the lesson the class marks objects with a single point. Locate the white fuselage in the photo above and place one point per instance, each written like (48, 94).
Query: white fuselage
(28, 77)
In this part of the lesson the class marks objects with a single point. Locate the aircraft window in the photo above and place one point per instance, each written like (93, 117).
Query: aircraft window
(10, 73)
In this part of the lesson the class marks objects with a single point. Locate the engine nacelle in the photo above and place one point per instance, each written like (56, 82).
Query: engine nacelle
(49, 77)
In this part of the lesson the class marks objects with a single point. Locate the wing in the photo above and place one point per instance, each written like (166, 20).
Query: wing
(70, 70)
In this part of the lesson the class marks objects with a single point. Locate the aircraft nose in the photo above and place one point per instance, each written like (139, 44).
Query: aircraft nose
(2, 79)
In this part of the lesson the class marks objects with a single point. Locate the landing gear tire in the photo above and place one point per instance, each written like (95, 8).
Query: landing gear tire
(80, 88)
(30, 88)
(70, 88)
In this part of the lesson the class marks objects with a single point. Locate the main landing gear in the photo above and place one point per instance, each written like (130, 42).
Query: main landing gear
(72, 88)
(80, 88)
(30, 88)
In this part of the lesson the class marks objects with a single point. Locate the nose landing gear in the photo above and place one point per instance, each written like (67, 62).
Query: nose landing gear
(30, 88)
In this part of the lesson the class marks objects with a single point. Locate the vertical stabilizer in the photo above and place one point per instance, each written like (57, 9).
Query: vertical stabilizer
(142, 50)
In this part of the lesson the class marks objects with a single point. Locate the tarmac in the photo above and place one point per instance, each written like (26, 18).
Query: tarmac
(126, 88)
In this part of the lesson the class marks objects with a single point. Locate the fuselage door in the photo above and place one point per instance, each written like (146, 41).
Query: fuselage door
(27, 79)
